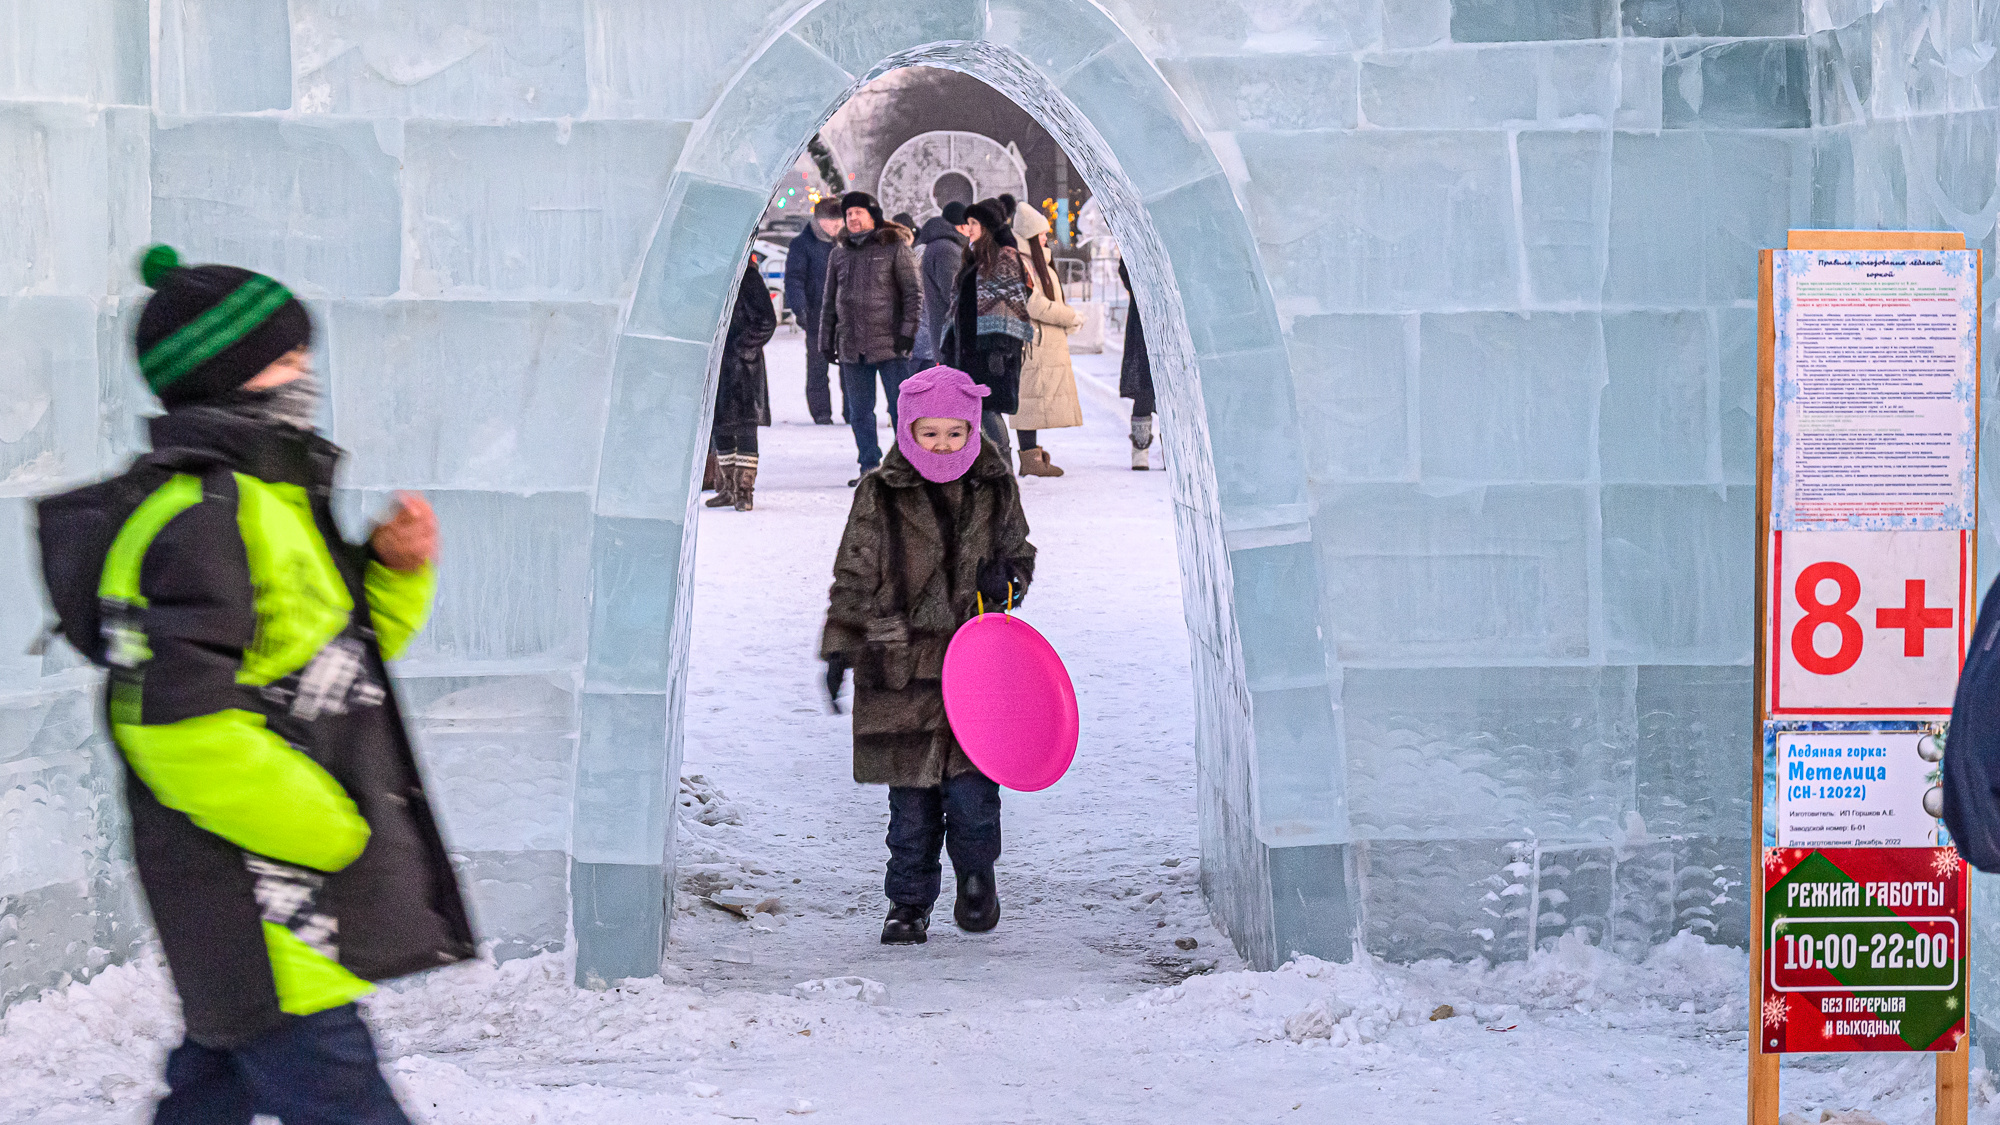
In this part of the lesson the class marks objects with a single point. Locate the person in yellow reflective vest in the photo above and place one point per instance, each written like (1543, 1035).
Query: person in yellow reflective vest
(280, 828)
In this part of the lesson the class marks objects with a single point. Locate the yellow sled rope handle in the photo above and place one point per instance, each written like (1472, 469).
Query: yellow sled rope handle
(979, 597)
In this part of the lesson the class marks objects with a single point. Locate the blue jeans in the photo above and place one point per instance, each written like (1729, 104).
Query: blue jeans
(961, 816)
(309, 1070)
(857, 387)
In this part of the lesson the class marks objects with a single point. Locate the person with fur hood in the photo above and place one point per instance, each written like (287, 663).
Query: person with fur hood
(869, 316)
(935, 535)
(1048, 398)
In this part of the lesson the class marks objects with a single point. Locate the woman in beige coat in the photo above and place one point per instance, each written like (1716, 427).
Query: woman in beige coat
(1048, 383)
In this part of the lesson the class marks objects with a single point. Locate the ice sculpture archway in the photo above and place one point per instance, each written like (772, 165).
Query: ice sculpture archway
(1230, 420)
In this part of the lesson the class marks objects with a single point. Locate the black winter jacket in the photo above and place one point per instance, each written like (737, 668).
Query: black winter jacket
(873, 298)
(279, 823)
(742, 391)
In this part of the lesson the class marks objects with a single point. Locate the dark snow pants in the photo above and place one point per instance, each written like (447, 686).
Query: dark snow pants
(857, 384)
(310, 1070)
(819, 389)
(961, 816)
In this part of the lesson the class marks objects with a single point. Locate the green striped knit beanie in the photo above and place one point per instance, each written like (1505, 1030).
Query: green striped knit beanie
(208, 330)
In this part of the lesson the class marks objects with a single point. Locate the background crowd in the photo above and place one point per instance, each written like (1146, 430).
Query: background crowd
(880, 299)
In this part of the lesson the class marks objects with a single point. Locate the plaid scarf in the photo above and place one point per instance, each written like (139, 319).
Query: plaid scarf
(1003, 299)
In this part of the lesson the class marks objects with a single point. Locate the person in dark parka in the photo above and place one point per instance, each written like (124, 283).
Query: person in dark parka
(742, 392)
(934, 533)
(869, 316)
(941, 247)
(805, 286)
(1135, 376)
(279, 823)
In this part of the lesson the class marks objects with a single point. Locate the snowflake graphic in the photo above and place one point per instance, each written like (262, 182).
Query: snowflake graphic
(1951, 1003)
(1945, 863)
(1774, 1011)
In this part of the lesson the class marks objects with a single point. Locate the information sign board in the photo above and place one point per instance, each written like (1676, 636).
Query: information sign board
(1864, 949)
(1867, 494)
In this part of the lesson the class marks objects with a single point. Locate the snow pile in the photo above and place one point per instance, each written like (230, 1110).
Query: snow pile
(95, 1044)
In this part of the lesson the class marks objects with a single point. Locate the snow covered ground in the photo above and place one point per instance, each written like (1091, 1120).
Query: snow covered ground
(1105, 995)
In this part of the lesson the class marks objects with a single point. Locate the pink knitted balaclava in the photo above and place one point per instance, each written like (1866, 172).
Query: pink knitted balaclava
(939, 392)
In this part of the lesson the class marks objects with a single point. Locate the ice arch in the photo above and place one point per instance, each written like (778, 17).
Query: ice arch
(1249, 575)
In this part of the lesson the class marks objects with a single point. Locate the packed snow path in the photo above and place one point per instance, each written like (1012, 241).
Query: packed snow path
(1070, 1011)
(1098, 879)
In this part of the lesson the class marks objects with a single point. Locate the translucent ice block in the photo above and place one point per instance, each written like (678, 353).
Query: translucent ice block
(1262, 92)
(644, 59)
(52, 787)
(54, 230)
(82, 50)
(513, 578)
(1679, 18)
(858, 36)
(1747, 84)
(1677, 573)
(1158, 147)
(318, 206)
(539, 209)
(695, 260)
(1656, 422)
(1301, 774)
(48, 405)
(624, 800)
(23, 606)
(1382, 221)
(221, 57)
(1499, 572)
(1501, 21)
(1693, 776)
(649, 443)
(758, 129)
(1460, 88)
(1565, 212)
(1355, 376)
(1755, 188)
(1055, 36)
(1657, 185)
(1224, 297)
(499, 757)
(635, 581)
(1197, 27)
(1509, 396)
(498, 395)
(1259, 454)
(1437, 753)
(487, 59)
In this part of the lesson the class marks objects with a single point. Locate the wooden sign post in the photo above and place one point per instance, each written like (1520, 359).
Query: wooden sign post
(1867, 502)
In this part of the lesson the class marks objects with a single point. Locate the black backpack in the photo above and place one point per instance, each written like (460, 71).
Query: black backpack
(75, 530)
(1972, 746)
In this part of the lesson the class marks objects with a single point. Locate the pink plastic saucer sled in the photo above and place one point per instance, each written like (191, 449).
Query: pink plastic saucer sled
(1010, 702)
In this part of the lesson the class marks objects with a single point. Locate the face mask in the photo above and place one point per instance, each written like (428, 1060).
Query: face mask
(294, 404)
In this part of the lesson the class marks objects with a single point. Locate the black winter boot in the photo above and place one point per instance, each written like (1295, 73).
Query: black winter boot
(978, 907)
(907, 925)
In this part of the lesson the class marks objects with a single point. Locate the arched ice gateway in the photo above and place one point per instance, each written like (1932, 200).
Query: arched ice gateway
(1449, 303)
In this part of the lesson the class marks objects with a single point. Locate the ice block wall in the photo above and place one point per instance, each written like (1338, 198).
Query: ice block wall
(1452, 304)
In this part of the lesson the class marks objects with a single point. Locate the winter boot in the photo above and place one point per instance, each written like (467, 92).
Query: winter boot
(746, 480)
(1142, 440)
(1036, 463)
(907, 925)
(711, 473)
(725, 482)
(978, 907)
